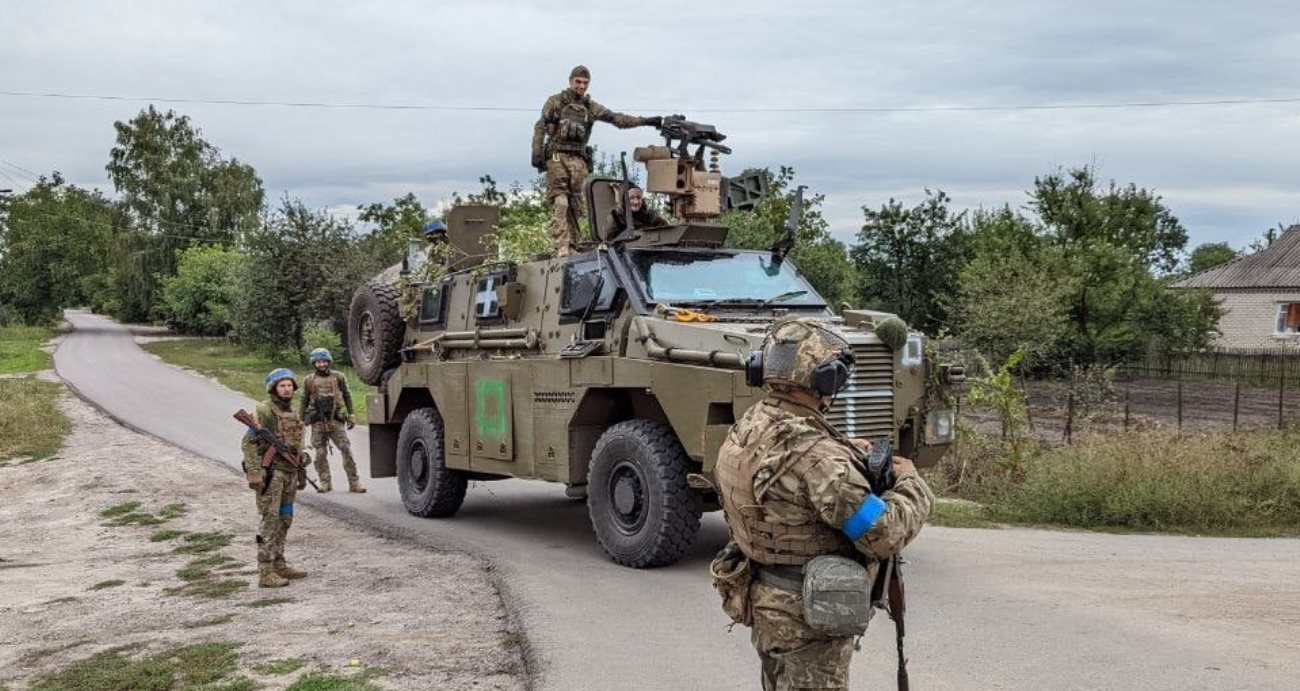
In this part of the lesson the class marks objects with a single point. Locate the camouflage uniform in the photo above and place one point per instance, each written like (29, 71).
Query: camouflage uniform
(275, 502)
(644, 218)
(327, 407)
(560, 149)
(789, 485)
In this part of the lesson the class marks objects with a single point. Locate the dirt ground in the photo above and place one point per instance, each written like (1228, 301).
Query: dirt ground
(414, 617)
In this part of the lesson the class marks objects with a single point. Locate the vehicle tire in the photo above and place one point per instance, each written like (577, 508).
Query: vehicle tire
(428, 488)
(375, 331)
(641, 508)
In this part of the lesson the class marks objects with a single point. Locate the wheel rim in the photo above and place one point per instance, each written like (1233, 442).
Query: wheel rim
(627, 497)
(418, 469)
(368, 335)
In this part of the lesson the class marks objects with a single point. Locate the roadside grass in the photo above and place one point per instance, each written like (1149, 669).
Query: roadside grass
(102, 585)
(210, 621)
(952, 513)
(326, 681)
(203, 567)
(32, 426)
(242, 369)
(20, 349)
(128, 513)
(209, 588)
(210, 665)
(1220, 483)
(167, 534)
(286, 665)
(202, 543)
(268, 602)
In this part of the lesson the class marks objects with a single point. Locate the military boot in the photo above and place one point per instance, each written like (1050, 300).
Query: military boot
(355, 486)
(268, 578)
(286, 571)
(325, 486)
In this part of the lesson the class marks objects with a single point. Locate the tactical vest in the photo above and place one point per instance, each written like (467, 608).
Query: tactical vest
(764, 541)
(572, 128)
(326, 388)
(288, 426)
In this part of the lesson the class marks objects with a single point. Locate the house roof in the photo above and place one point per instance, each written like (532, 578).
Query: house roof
(1275, 266)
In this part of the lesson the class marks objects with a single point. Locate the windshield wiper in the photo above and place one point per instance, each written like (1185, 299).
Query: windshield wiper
(783, 297)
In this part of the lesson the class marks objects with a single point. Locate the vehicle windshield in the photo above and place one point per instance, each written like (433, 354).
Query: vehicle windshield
(728, 276)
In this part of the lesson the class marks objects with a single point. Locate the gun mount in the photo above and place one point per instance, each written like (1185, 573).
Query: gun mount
(693, 186)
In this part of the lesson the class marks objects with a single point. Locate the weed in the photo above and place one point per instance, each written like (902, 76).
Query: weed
(110, 671)
(135, 518)
(209, 589)
(120, 509)
(33, 426)
(960, 514)
(36, 656)
(108, 584)
(210, 621)
(62, 600)
(205, 663)
(166, 534)
(273, 668)
(268, 602)
(322, 681)
(201, 543)
(171, 511)
(202, 568)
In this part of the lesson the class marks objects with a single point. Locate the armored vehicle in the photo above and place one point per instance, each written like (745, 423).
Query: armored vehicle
(618, 370)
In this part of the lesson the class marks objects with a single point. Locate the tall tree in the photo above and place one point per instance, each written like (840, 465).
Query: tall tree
(908, 258)
(393, 225)
(1209, 255)
(53, 243)
(177, 189)
(820, 258)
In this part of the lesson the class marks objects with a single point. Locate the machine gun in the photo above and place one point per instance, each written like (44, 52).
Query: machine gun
(676, 128)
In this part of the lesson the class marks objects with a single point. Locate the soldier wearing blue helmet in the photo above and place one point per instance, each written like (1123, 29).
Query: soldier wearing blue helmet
(327, 407)
(275, 494)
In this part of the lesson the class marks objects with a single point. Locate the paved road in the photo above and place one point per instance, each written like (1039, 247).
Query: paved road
(1006, 609)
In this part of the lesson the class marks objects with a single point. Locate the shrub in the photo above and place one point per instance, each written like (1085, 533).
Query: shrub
(200, 298)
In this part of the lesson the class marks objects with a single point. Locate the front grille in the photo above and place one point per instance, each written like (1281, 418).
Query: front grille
(865, 408)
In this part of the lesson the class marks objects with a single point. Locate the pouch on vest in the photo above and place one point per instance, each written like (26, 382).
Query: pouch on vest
(732, 578)
(836, 596)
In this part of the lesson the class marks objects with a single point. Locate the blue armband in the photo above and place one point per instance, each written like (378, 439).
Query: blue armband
(866, 516)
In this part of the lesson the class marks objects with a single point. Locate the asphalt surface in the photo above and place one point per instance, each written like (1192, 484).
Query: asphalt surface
(987, 609)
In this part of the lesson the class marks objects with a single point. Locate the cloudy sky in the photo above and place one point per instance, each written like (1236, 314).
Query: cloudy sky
(770, 75)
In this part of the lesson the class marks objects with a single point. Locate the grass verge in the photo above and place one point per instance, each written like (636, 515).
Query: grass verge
(204, 665)
(241, 369)
(32, 426)
(20, 349)
(1235, 484)
(286, 665)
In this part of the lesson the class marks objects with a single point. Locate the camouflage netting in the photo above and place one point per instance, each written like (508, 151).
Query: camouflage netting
(892, 331)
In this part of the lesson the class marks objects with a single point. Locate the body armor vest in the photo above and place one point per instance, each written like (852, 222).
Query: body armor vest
(288, 425)
(763, 540)
(572, 128)
(326, 393)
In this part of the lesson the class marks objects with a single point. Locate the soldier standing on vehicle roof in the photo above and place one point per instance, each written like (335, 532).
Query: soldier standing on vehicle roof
(327, 407)
(791, 492)
(560, 150)
(275, 494)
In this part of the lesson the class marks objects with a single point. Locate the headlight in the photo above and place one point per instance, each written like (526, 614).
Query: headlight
(940, 427)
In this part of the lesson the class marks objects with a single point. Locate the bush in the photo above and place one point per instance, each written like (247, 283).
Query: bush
(1160, 481)
(200, 298)
(318, 336)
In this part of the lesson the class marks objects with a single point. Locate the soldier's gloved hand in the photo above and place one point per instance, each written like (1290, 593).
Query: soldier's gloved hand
(539, 164)
(254, 479)
(863, 444)
(903, 467)
(352, 421)
(655, 121)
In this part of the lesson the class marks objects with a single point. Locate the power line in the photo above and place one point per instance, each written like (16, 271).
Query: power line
(814, 110)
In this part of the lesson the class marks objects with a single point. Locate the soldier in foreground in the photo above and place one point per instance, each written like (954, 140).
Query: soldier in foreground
(560, 150)
(642, 215)
(276, 483)
(327, 407)
(793, 492)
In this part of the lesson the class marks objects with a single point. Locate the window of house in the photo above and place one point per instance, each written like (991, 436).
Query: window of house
(1288, 318)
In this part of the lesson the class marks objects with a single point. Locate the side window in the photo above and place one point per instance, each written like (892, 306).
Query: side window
(580, 279)
(431, 302)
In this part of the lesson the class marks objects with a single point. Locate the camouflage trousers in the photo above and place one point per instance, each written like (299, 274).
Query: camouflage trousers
(275, 506)
(321, 436)
(565, 174)
(793, 655)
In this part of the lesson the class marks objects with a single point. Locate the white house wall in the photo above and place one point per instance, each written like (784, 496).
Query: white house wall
(1251, 318)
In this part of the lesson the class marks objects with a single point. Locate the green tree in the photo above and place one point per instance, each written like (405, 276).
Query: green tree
(525, 225)
(820, 258)
(303, 267)
(908, 258)
(1209, 255)
(177, 189)
(54, 239)
(394, 224)
(201, 297)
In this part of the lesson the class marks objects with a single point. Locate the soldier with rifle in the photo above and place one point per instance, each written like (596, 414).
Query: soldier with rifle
(327, 407)
(560, 151)
(274, 467)
(812, 526)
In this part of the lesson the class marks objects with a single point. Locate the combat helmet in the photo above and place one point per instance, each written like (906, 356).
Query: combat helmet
(277, 375)
(320, 354)
(802, 352)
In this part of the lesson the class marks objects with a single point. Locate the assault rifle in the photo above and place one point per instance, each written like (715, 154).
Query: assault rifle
(275, 446)
(887, 590)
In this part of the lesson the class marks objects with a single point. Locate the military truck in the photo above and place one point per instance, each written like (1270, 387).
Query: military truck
(615, 371)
